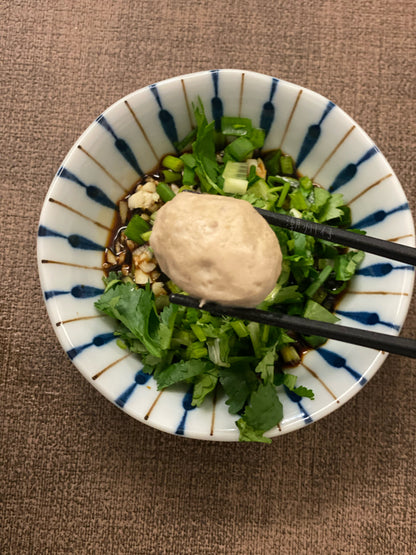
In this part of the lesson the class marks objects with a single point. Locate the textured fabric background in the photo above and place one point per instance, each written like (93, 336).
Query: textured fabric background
(78, 475)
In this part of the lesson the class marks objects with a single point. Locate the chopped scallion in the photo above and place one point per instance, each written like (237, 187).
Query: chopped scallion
(320, 280)
(146, 236)
(235, 186)
(165, 192)
(235, 177)
(136, 227)
(235, 169)
(298, 201)
(188, 176)
(252, 175)
(240, 149)
(172, 163)
(170, 176)
(199, 333)
(196, 350)
(189, 160)
(282, 180)
(272, 162)
(257, 137)
(290, 354)
(265, 334)
(283, 195)
(306, 183)
(286, 163)
(240, 328)
(235, 126)
(254, 332)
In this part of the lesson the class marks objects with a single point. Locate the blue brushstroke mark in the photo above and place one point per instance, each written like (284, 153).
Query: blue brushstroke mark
(379, 216)
(98, 341)
(216, 102)
(139, 379)
(51, 294)
(268, 111)
(79, 242)
(297, 399)
(312, 135)
(102, 121)
(367, 318)
(46, 232)
(76, 241)
(166, 119)
(350, 170)
(78, 291)
(93, 192)
(187, 405)
(121, 145)
(338, 361)
(381, 269)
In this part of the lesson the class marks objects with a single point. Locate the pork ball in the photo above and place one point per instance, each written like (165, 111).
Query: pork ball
(216, 248)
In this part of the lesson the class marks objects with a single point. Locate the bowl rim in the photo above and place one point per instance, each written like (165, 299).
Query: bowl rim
(223, 435)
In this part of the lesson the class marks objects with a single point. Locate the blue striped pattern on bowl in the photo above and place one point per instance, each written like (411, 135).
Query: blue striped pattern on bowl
(128, 140)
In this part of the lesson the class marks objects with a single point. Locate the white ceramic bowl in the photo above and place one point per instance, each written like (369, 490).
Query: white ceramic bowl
(128, 139)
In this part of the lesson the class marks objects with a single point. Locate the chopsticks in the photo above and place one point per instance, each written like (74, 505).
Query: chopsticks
(366, 243)
(364, 338)
(374, 340)
(393, 251)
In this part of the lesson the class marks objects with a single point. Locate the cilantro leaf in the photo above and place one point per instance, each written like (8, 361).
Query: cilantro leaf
(219, 348)
(266, 366)
(327, 206)
(303, 391)
(331, 208)
(134, 307)
(238, 382)
(129, 340)
(345, 265)
(315, 311)
(203, 148)
(283, 378)
(112, 279)
(264, 410)
(280, 295)
(256, 201)
(289, 380)
(181, 371)
(320, 198)
(167, 323)
(203, 385)
(247, 433)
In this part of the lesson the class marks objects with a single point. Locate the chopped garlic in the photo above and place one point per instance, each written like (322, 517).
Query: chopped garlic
(140, 277)
(147, 267)
(158, 289)
(123, 210)
(144, 198)
(111, 257)
(149, 186)
(261, 169)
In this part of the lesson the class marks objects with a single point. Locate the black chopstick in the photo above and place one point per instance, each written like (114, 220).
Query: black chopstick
(374, 340)
(393, 251)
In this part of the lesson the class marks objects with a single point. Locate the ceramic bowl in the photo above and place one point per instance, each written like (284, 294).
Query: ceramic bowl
(127, 140)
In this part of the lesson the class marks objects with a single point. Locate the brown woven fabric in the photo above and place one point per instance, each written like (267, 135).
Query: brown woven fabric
(78, 475)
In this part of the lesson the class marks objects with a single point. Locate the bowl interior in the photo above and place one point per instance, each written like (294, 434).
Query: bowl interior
(127, 141)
